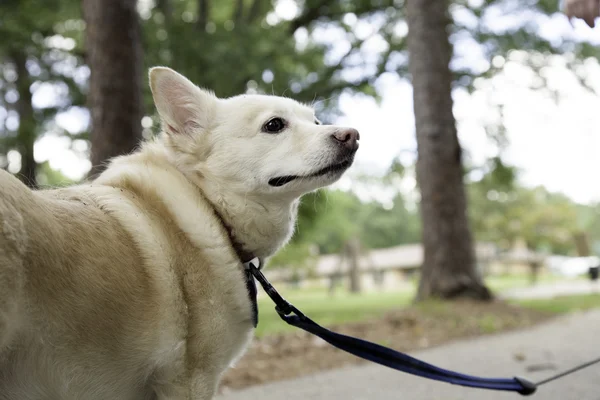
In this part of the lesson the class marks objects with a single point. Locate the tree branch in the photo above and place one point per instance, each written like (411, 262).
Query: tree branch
(165, 7)
(203, 10)
(328, 9)
(310, 14)
(255, 10)
(238, 12)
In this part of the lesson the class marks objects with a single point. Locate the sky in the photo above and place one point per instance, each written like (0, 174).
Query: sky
(553, 143)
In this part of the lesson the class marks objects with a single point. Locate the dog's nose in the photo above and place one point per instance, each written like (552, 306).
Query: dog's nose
(348, 137)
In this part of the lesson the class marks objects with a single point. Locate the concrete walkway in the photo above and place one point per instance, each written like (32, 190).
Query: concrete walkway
(533, 353)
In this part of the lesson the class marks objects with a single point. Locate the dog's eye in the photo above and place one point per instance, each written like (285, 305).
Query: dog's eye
(274, 125)
(317, 122)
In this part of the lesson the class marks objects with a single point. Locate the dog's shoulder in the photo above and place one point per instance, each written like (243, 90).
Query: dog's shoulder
(158, 188)
(183, 231)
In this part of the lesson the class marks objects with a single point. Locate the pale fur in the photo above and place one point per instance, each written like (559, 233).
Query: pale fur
(129, 287)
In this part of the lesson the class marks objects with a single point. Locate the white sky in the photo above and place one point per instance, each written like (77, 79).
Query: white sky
(555, 144)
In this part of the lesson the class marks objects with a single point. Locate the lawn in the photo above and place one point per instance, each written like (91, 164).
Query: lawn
(344, 307)
(501, 283)
(387, 318)
(562, 304)
(330, 310)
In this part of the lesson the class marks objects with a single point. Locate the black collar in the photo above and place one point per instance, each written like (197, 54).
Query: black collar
(251, 287)
(246, 258)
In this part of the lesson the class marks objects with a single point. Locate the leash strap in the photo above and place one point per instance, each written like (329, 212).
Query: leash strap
(383, 355)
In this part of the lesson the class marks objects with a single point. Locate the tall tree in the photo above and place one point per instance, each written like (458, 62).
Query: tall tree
(236, 46)
(448, 269)
(114, 55)
(27, 131)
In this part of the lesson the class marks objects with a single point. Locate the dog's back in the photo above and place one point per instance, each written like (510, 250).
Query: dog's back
(76, 302)
(13, 244)
(93, 280)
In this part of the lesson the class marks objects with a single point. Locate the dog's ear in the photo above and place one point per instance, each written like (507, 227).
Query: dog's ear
(183, 107)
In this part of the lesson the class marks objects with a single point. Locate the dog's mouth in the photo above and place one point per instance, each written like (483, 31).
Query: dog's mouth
(332, 169)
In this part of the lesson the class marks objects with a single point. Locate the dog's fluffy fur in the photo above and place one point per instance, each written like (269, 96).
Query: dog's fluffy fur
(129, 287)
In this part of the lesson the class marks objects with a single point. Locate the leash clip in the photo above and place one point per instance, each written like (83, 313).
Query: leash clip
(282, 306)
(255, 262)
(528, 387)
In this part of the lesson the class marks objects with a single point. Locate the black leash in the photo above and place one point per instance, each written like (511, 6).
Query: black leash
(391, 358)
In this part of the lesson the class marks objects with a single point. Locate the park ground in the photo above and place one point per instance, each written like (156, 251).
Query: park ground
(535, 353)
(281, 352)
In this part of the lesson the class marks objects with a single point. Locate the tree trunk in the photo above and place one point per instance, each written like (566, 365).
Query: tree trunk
(26, 133)
(534, 272)
(203, 10)
(114, 56)
(582, 244)
(352, 250)
(448, 269)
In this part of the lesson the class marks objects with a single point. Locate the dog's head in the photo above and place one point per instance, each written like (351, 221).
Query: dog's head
(250, 144)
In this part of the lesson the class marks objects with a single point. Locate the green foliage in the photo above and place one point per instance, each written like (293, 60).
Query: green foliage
(330, 218)
(389, 227)
(46, 38)
(311, 208)
(25, 20)
(502, 213)
(502, 176)
(234, 47)
(589, 221)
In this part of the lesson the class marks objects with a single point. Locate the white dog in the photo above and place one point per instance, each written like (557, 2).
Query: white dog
(132, 287)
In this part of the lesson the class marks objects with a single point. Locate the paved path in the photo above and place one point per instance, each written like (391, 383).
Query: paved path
(546, 349)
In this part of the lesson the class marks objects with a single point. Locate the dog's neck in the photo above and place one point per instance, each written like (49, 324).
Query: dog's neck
(243, 254)
(257, 228)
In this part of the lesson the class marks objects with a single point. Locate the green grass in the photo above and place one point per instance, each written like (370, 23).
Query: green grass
(489, 323)
(562, 304)
(344, 307)
(446, 310)
(501, 283)
(330, 310)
